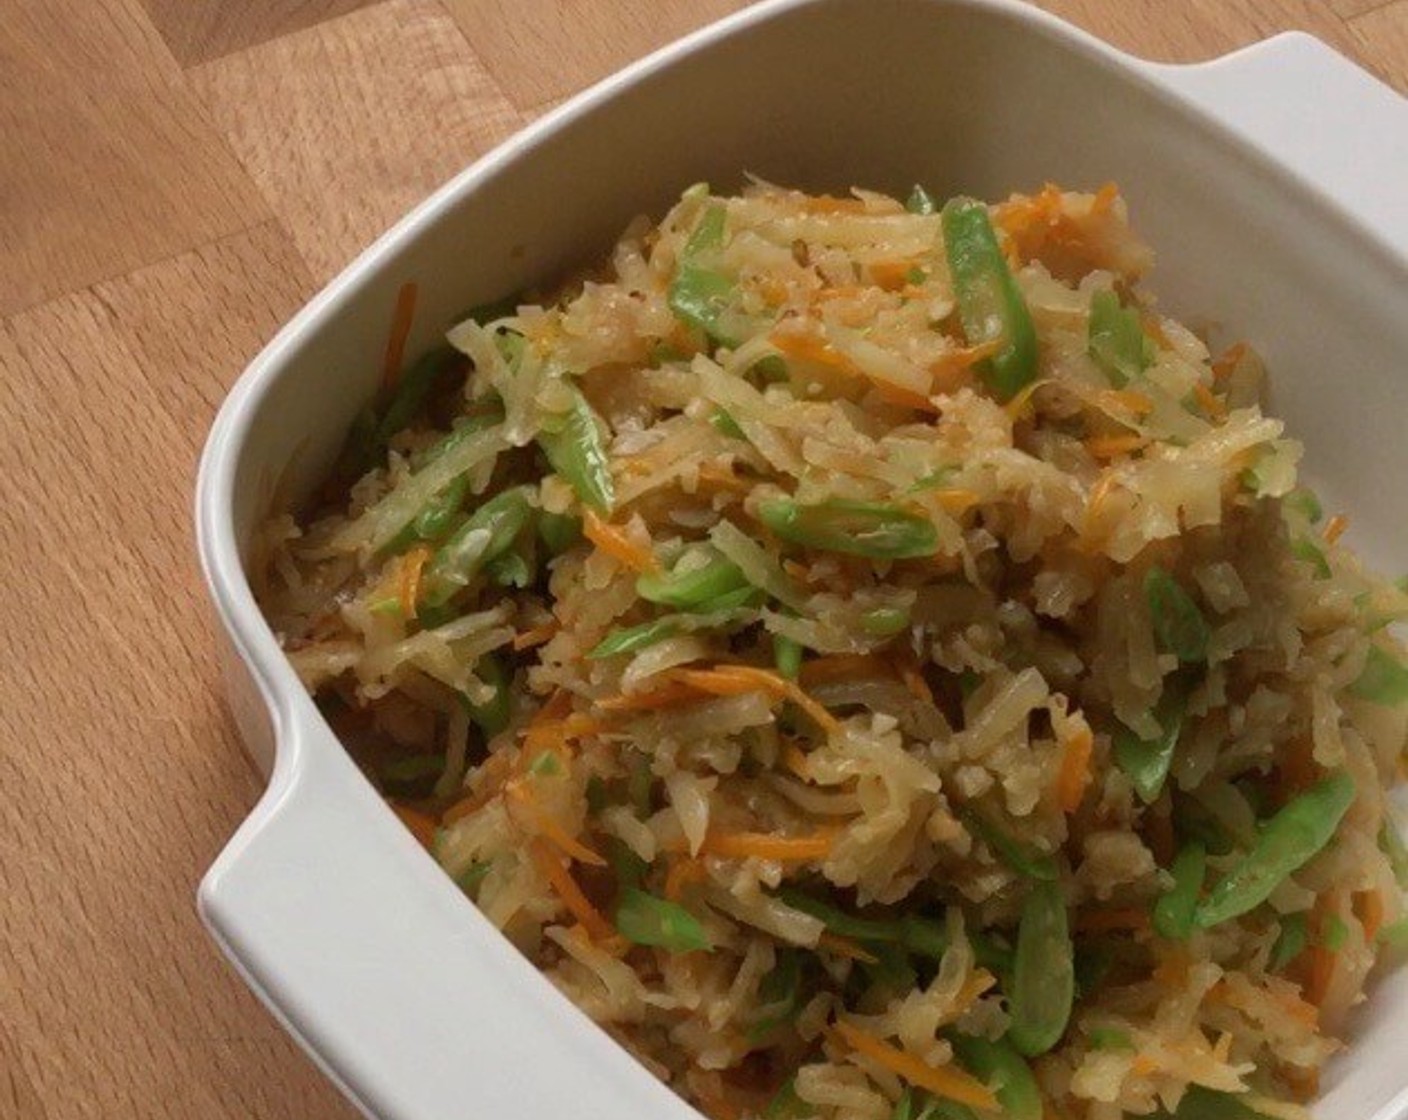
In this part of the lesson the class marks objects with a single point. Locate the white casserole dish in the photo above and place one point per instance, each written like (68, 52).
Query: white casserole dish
(1271, 182)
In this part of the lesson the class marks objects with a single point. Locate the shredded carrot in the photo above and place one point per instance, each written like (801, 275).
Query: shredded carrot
(956, 501)
(683, 871)
(943, 1081)
(408, 590)
(793, 758)
(841, 667)
(1105, 198)
(812, 348)
(1074, 774)
(1143, 1065)
(905, 398)
(614, 542)
(400, 331)
(1113, 446)
(535, 636)
(673, 694)
(978, 982)
(845, 947)
(1304, 1083)
(891, 275)
(1228, 361)
(422, 825)
(1154, 328)
(732, 680)
(522, 793)
(914, 680)
(550, 867)
(1335, 527)
(1111, 921)
(1369, 909)
(772, 290)
(763, 845)
(1209, 402)
(1130, 400)
(723, 479)
(1018, 406)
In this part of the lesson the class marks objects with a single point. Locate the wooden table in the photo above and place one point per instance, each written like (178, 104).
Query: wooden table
(176, 177)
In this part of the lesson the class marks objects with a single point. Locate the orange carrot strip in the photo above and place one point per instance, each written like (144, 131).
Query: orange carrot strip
(1105, 198)
(612, 541)
(522, 793)
(1369, 909)
(914, 680)
(795, 760)
(422, 825)
(1335, 527)
(956, 501)
(1110, 447)
(732, 680)
(673, 694)
(400, 331)
(412, 565)
(978, 982)
(845, 947)
(1209, 402)
(1071, 779)
(1143, 1065)
(550, 866)
(1131, 400)
(943, 1081)
(763, 845)
(1228, 361)
(891, 275)
(905, 398)
(536, 635)
(1019, 405)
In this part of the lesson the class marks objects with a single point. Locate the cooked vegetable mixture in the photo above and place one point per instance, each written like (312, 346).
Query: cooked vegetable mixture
(876, 664)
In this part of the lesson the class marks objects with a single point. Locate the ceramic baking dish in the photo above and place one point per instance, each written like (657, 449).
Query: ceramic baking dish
(1267, 180)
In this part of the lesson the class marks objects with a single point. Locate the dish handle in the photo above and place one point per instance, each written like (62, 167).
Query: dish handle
(405, 995)
(1337, 127)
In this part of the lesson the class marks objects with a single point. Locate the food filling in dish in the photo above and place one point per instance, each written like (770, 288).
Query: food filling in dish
(876, 664)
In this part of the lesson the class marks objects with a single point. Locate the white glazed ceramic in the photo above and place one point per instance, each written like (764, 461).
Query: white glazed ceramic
(1272, 183)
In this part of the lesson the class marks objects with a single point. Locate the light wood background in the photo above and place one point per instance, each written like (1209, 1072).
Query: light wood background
(176, 177)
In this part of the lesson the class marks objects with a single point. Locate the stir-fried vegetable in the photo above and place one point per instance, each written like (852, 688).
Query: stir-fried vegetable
(1174, 912)
(699, 295)
(787, 655)
(647, 920)
(1383, 681)
(1043, 975)
(1294, 936)
(574, 448)
(1286, 842)
(989, 301)
(412, 389)
(558, 531)
(1147, 761)
(919, 201)
(872, 529)
(1179, 624)
(629, 639)
(489, 532)
(1021, 858)
(1116, 339)
(492, 715)
(1005, 1071)
(696, 582)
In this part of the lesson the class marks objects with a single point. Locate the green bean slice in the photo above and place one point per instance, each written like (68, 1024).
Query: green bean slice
(646, 920)
(1043, 974)
(489, 532)
(1384, 679)
(575, 450)
(631, 638)
(1173, 913)
(1006, 1073)
(692, 586)
(1178, 623)
(1147, 761)
(871, 529)
(1116, 339)
(1021, 858)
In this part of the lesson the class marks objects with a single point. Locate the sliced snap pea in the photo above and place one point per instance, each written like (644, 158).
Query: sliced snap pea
(628, 867)
(1287, 841)
(872, 529)
(787, 655)
(990, 304)
(1178, 623)
(486, 414)
(492, 716)
(1291, 941)
(699, 295)
(575, 450)
(631, 638)
(489, 532)
(690, 585)
(1043, 972)
(438, 515)
(1173, 913)
(838, 921)
(919, 201)
(1021, 858)
(1116, 339)
(1147, 761)
(1005, 1071)
(558, 531)
(646, 920)
(1384, 679)
(724, 422)
(1305, 503)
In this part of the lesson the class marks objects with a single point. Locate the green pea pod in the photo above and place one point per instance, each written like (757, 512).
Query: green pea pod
(411, 392)
(558, 531)
(492, 716)
(698, 295)
(691, 587)
(489, 532)
(1290, 942)
(412, 776)
(919, 201)
(1178, 623)
(646, 920)
(1285, 843)
(1147, 761)
(631, 638)
(575, 450)
(871, 529)
(1021, 858)
(628, 867)
(1383, 681)
(438, 515)
(1043, 972)
(1173, 913)
(1005, 1071)
(1116, 339)
(892, 973)
(787, 655)
(990, 305)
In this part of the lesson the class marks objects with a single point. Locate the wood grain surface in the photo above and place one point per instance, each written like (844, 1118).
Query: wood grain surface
(176, 177)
